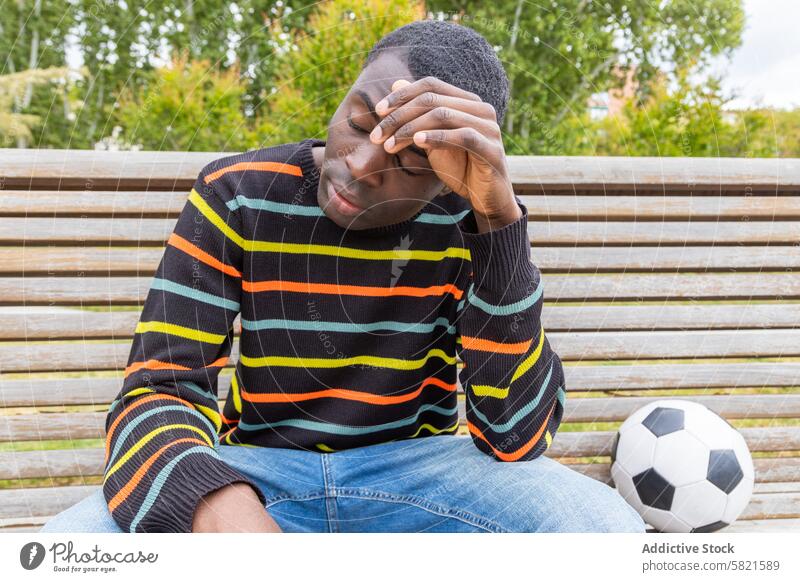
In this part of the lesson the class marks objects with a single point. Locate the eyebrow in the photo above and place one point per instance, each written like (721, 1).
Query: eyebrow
(371, 106)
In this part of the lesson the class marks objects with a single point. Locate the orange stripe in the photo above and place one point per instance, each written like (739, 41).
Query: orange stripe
(336, 289)
(519, 452)
(136, 404)
(123, 493)
(159, 365)
(485, 345)
(345, 394)
(181, 243)
(227, 420)
(278, 167)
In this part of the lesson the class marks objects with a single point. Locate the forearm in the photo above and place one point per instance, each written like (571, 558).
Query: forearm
(513, 380)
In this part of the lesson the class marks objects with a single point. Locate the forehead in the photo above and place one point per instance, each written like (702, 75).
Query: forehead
(376, 79)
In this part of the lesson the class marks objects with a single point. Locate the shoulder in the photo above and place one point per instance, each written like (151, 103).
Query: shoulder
(253, 172)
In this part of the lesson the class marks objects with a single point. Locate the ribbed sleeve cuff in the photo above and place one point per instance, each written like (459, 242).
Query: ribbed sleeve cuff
(173, 510)
(501, 258)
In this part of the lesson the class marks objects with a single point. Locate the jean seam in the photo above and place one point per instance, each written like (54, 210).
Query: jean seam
(329, 487)
(427, 505)
(305, 497)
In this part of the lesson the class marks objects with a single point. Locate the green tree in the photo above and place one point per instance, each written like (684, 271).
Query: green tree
(187, 106)
(17, 128)
(681, 117)
(33, 38)
(311, 81)
(557, 54)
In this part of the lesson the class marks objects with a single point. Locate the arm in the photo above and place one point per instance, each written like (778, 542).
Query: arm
(513, 380)
(162, 428)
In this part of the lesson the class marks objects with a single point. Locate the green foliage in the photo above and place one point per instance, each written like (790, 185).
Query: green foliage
(311, 81)
(557, 54)
(188, 106)
(685, 120)
(257, 72)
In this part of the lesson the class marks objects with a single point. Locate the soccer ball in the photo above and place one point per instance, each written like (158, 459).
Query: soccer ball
(683, 467)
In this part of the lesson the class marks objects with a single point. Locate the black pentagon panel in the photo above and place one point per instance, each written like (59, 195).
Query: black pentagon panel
(663, 421)
(724, 470)
(654, 490)
(614, 448)
(710, 527)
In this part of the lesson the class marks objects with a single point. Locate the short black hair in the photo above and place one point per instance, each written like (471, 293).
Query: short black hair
(454, 53)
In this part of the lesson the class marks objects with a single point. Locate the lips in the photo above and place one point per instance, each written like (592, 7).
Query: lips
(346, 195)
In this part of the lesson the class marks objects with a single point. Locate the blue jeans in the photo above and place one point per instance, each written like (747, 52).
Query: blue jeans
(440, 483)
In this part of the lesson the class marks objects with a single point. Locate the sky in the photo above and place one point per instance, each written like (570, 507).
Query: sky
(765, 69)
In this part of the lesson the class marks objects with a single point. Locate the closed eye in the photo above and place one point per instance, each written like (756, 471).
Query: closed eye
(397, 156)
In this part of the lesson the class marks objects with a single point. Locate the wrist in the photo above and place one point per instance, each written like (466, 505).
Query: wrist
(485, 223)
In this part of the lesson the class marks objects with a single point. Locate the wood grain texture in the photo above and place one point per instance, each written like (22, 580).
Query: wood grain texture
(155, 231)
(143, 261)
(34, 391)
(90, 169)
(52, 291)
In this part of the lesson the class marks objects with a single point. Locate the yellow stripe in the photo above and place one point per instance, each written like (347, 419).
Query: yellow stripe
(147, 438)
(196, 199)
(434, 430)
(310, 249)
(326, 448)
(548, 438)
(237, 398)
(212, 415)
(527, 363)
(393, 363)
(180, 331)
(137, 391)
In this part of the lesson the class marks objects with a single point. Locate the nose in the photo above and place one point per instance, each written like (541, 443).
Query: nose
(367, 164)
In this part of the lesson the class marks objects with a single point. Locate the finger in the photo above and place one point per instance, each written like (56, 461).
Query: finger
(406, 93)
(441, 117)
(463, 138)
(426, 102)
(399, 84)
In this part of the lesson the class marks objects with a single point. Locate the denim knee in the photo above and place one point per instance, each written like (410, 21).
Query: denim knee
(569, 501)
(90, 515)
(610, 514)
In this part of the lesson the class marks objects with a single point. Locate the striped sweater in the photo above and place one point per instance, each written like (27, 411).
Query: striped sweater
(348, 337)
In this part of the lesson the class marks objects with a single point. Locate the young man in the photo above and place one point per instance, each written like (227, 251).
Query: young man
(361, 266)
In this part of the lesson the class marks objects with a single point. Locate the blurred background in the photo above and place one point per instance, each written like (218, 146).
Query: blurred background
(609, 77)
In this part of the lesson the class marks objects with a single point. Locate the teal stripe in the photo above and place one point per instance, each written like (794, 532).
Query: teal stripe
(161, 478)
(197, 390)
(442, 218)
(301, 210)
(510, 309)
(348, 430)
(562, 396)
(520, 414)
(131, 426)
(185, 291)
(271, 206)
(304, 325)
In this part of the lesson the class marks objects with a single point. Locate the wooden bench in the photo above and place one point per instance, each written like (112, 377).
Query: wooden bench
(663, 278)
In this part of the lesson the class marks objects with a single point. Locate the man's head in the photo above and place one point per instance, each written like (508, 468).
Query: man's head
(393, 187)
